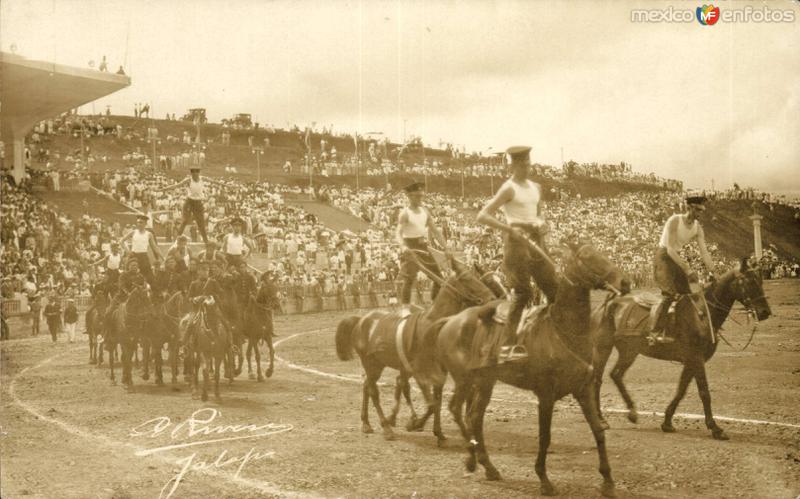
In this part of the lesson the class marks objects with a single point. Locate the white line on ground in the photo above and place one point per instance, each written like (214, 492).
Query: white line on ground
(258, 485)
(681, 415)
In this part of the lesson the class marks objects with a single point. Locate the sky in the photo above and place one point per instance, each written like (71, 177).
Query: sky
(683, 100)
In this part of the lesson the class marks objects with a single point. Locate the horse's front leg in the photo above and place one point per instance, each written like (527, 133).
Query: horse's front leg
(249, 356)
(259, 377)
(482, 393)
(586, 399)
(437, 415)
(146, 346)
(398, 392)
(159, 364)
(686, 376)
(217, 361)
(271, 367)
(546, 403)
(705, 395)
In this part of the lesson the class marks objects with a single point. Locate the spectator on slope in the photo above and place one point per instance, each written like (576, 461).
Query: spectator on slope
(673, 273)
(193, 208)
(414, 224)
(520, 200)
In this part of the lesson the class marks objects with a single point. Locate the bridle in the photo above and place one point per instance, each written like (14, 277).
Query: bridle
(595, 278)
(746, 300)
(465, 296)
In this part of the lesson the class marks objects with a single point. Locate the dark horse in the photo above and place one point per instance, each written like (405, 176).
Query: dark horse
(258, 326)
(227, 302)
(164, 330)
(208, 344)
(623, 324)
(127, 325)
(557, 339)
(95, 327)
(385, 339)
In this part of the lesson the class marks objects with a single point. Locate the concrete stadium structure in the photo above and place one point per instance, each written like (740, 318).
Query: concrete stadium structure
(31, 91)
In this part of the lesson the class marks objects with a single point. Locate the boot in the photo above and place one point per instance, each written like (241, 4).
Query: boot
(658, 333)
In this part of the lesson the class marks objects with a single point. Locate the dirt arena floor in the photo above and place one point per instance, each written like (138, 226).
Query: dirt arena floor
(67, 432)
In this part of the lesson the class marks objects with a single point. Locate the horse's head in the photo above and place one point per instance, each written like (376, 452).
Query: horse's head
(587, 267)
(468, 285)
(749, 291)
(490, 280)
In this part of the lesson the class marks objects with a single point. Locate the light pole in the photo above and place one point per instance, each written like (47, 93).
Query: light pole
(258, 151)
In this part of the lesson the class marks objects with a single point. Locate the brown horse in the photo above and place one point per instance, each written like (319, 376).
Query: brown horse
(227, 302)
(557, 339)
(95, 328)
(164, 330)
(385, 339)
(623, 324)
(208, 344)
(128, 323)
(258, 326)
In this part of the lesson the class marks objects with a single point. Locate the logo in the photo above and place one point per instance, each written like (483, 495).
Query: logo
(708, 15)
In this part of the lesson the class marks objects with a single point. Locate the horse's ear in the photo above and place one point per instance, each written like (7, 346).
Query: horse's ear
(744, 265)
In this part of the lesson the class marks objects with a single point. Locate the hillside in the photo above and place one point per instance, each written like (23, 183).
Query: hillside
(729, 226)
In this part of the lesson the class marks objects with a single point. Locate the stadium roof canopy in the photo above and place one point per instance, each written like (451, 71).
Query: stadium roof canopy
(31, 91)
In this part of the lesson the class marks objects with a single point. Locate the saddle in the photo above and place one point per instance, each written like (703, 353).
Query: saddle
(503, 310)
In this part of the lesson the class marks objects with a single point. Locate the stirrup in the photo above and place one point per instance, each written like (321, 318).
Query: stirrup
(512, 352)
(658, 337)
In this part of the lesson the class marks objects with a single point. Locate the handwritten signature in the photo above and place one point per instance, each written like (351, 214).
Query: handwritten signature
(200, 424)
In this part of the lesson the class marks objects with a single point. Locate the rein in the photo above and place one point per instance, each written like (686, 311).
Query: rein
(747, 302)
(467, 297)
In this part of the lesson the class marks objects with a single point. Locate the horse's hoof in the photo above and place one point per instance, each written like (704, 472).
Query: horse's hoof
(607, 490)
(392, 420)
(633, 416)
(365, 428)
(260, 379)
(145, 376)
(251, 375)
(269, 373)
(470, 463)
(160, 382)
(92, 361)
(667, 428)
(388, 434)
(604, 424)
(719, 434)
(547, 489)
(204, 397)
(493, 475)
(441, 441)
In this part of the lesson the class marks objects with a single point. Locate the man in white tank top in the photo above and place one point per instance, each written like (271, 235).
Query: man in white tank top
(414, 225)
(143, 241)
(234, 244)
(672, 273)
(520, 200)
(193, 207)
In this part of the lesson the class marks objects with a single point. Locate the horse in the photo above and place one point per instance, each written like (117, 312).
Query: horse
(94, 320)
(623, 324)
(164, 330)
(228, 304)
(258, 326)
(385, 339)
(128, 323)
(559, 348)
(208, 343)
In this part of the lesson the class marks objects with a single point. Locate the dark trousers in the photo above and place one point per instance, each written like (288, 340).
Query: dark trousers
(522, 264)
(193, 210)
(410, 262)
(672, 280)
(145, 269)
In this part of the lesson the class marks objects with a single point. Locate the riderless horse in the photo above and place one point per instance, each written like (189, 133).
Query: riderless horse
(386, 339)
(559, 348)
(623, 324)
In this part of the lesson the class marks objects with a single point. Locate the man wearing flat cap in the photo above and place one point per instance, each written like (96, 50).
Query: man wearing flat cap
(672, 273)
(414, 225)
(519, 198)
(143, 241)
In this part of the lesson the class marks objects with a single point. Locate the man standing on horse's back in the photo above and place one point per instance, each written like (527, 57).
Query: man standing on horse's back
(414, 225)
(672, 273)
(520, 200)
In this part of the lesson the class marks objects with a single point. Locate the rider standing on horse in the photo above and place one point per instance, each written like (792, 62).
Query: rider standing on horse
(234, 244)
(193, 208)
(520, 200)
(414, 224)
(672, 273)
(142, 241)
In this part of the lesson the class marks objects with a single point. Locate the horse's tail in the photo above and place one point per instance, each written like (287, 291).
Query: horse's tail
(426, 365)
(344, 337)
